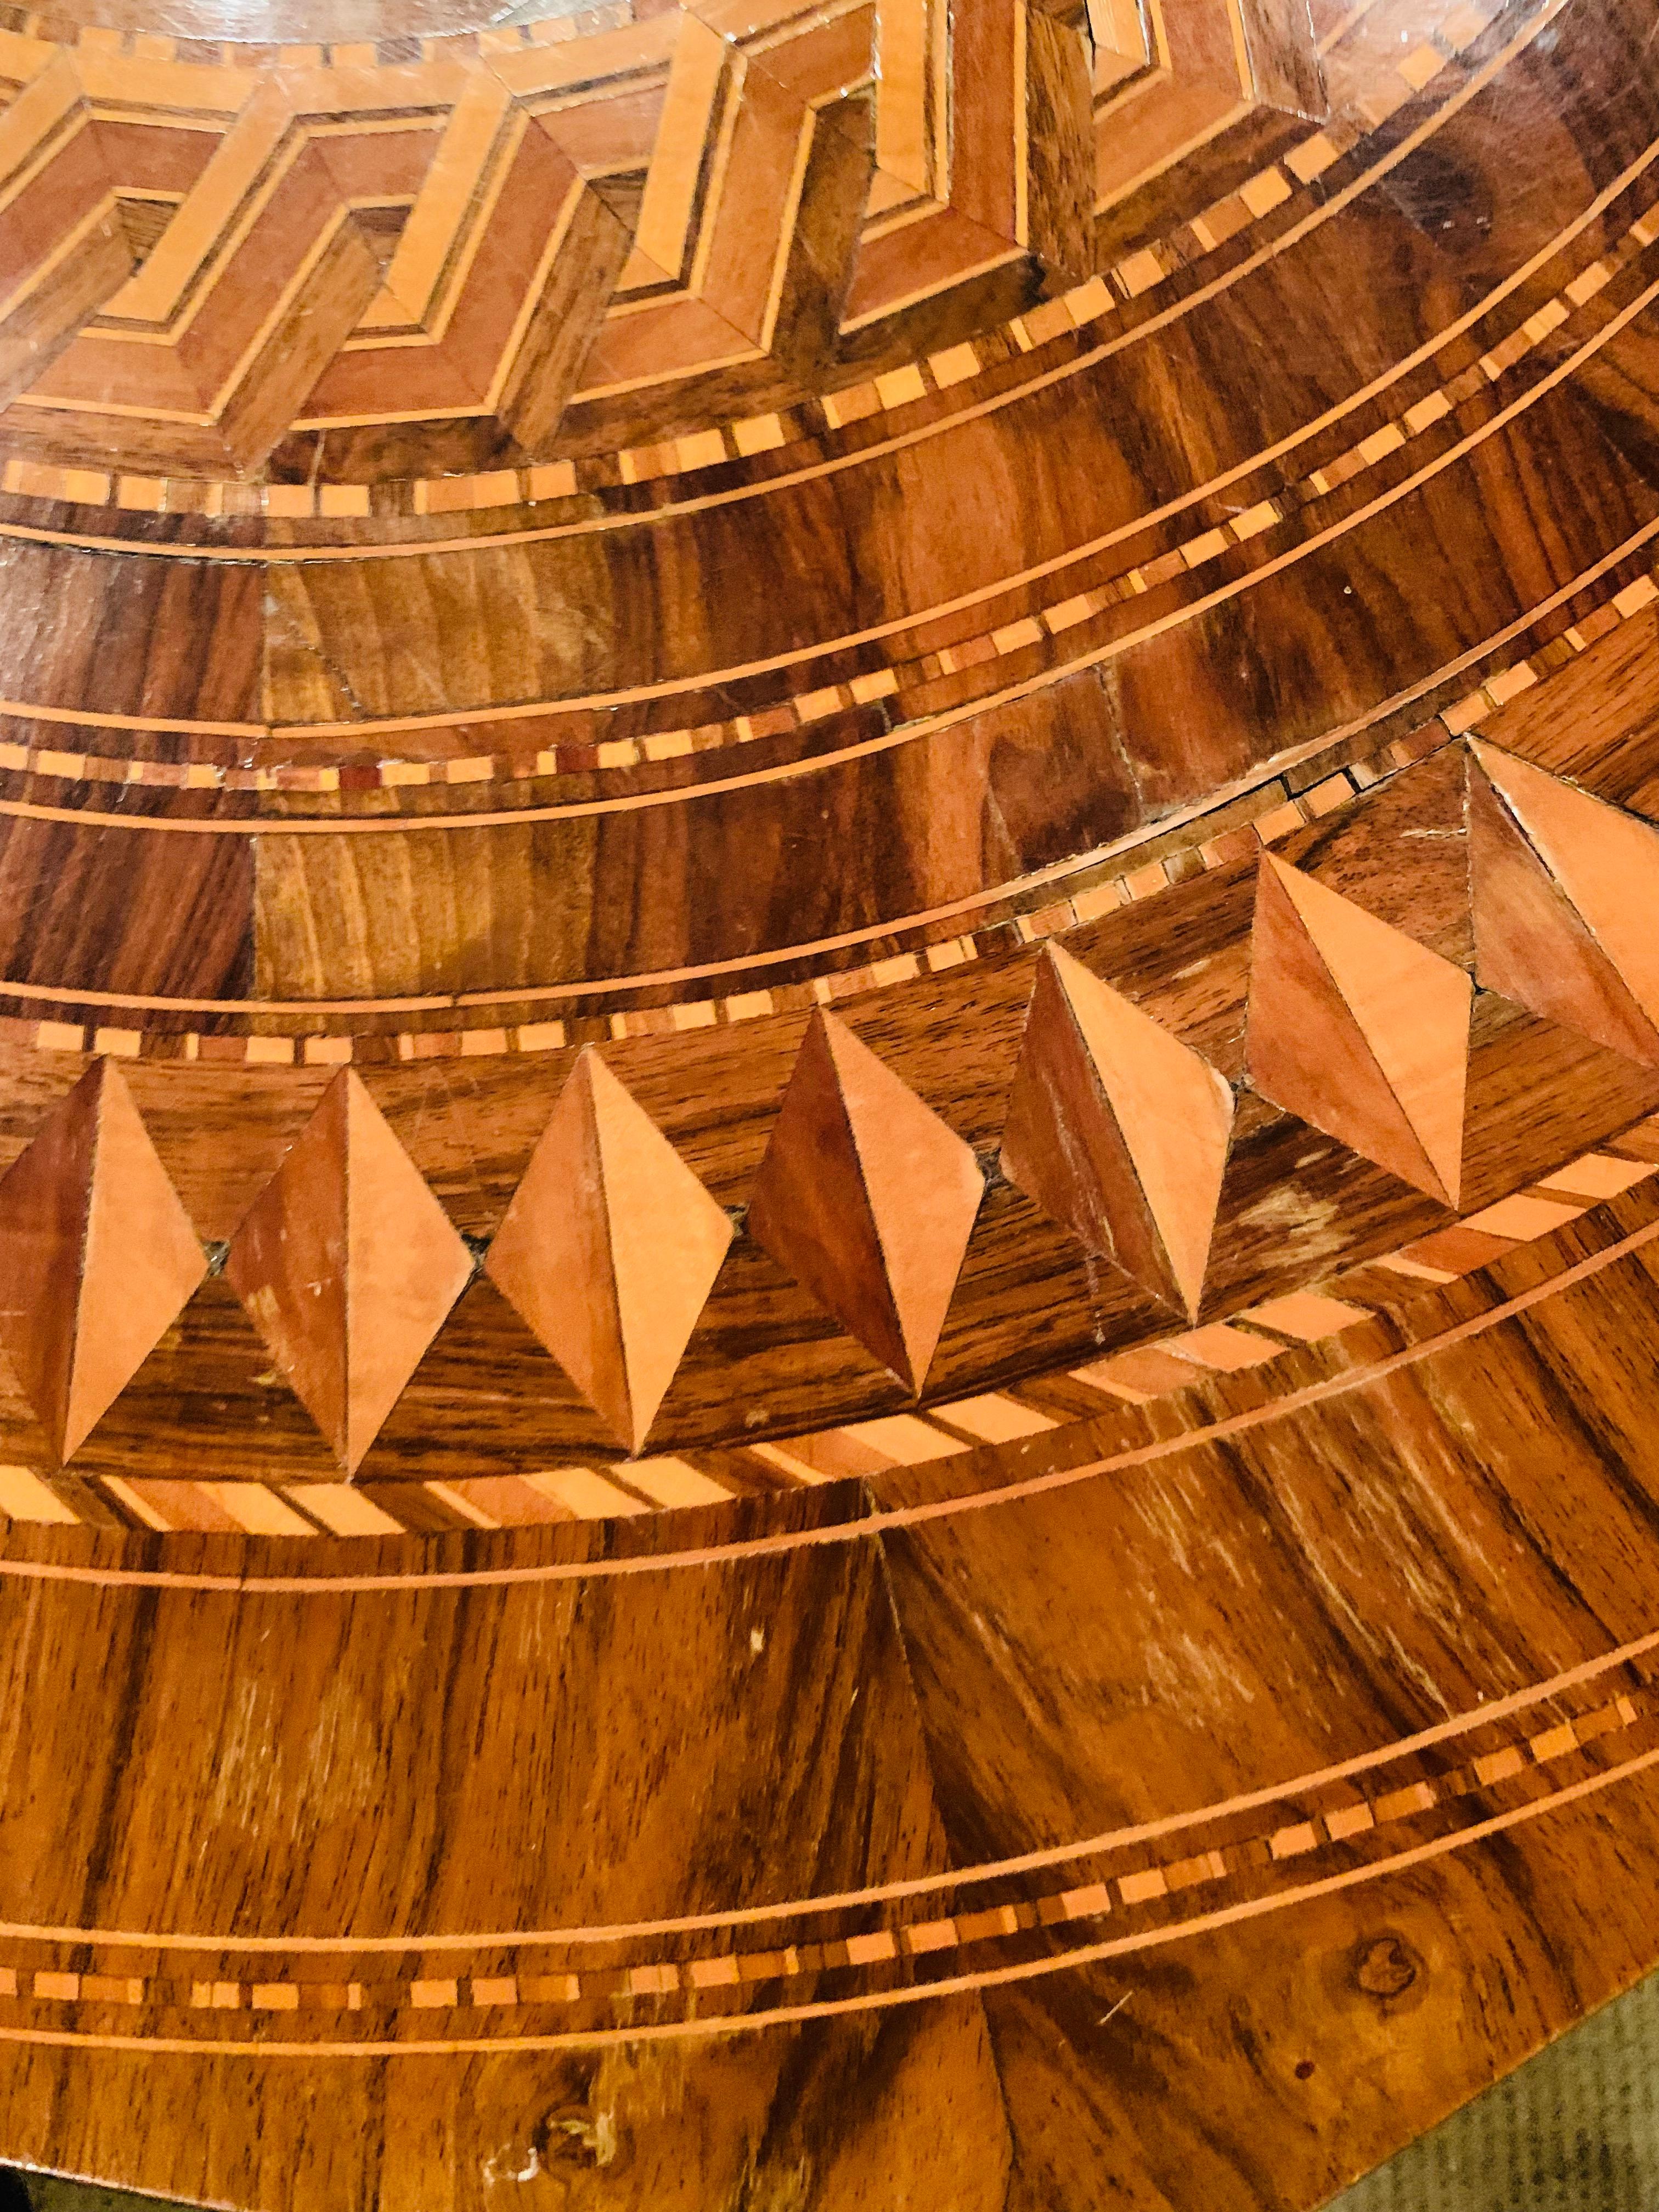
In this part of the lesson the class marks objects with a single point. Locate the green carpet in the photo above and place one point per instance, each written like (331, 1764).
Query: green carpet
(1576, 2130)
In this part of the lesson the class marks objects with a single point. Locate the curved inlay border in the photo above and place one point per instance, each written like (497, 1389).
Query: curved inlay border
(904, 1962)
(1290, 793)
(1144, 273)
(1229, 1392)
(1556, 1690)
(1386, 87)
(901, 674)
(1262, 1341)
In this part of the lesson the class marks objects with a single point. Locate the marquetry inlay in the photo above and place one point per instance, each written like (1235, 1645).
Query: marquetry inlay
(828, 1091)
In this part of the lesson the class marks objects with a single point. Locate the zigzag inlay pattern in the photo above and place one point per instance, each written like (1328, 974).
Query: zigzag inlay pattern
(494, 235)
(868, 1198)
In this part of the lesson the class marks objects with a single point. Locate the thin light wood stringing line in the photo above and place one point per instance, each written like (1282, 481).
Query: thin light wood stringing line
(868, 2001)
(1463, 1723)
(910, 732)
(511, 767)
(1446, 1787)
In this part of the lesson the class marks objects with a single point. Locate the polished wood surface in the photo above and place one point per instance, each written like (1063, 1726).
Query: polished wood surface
(828, 1091)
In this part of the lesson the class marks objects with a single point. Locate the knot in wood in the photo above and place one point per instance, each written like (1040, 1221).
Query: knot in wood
(1386, 1968)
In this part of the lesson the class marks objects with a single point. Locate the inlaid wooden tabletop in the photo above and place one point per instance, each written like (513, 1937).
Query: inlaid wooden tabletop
(828, 1091)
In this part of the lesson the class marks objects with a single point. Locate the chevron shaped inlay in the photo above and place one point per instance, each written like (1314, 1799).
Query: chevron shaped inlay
(199, 260)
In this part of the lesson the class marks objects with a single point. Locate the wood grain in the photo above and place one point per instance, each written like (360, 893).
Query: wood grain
(828, 1191)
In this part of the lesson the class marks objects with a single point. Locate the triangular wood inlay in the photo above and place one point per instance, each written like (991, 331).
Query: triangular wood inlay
(1118, 1129)
(1359, 1029)
(348, 1265)
(1562, 887)
(610, 1249)
(97, 1256)
(868, 1197)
